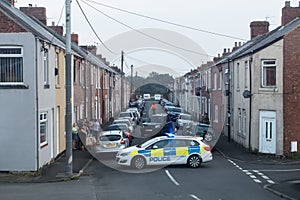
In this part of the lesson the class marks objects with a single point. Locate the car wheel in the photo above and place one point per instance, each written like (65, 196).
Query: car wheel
(138, 162)
(208, 137)
(194, 161)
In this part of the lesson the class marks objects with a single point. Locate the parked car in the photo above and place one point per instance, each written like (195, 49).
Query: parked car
(203, 130)
(128, 115)
(122, 127)
(153, 125)
(124, 121)
(174, 113)
(111, 141)
(184, 119)
(166, 150)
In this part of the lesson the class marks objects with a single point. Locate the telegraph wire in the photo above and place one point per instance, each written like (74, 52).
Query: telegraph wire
(94, 30)
(167, 22)
(60, 16)
(147, 35)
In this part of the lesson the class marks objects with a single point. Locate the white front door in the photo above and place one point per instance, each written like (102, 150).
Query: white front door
(267, 132)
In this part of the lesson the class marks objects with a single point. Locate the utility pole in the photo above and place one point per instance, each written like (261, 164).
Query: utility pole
(131, 85)
(68, 116)
(122, 81)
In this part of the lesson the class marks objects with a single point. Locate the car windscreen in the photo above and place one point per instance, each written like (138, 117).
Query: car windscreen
(110, 138)
(125, 115)
(122, 122)
(117, 127)
(186, 117)
(178, 110)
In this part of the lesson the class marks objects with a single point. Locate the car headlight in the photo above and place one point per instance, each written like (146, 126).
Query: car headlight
(124, 154)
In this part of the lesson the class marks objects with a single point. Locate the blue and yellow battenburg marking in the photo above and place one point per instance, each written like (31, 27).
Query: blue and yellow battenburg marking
(170, 151)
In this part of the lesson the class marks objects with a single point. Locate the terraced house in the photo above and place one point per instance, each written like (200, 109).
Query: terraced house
(32, 87)
(261, 80)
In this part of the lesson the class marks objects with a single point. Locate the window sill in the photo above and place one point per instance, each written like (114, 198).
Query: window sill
(268, 89)
(44, 144)
(14, 86)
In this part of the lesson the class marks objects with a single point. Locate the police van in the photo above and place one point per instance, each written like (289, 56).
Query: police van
(166, 150)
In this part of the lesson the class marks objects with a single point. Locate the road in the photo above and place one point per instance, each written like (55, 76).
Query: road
(217, 180)
(221, 179)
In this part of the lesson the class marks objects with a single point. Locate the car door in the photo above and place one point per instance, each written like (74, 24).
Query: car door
(181, 147)
(160, 152)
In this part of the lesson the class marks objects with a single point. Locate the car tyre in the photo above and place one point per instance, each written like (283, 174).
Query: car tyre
(208, 137)
(194, 161)
(138, 162)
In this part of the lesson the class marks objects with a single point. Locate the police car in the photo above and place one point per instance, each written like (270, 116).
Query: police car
(166, 150)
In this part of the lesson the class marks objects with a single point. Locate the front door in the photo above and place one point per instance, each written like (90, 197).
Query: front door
(267, 132)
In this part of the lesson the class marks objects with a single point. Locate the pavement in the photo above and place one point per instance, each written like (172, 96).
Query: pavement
(55, 171)
(235, 152)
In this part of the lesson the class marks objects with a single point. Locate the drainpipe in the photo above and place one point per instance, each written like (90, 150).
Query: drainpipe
(228, 103)
(37, 104)
(91, 99)
(84, 89)
(250, 101)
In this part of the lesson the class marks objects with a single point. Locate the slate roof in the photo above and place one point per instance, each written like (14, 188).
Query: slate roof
(47, 34)
(260, 42)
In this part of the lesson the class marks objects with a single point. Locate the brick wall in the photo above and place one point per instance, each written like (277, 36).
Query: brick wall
(37, 12)
(291, 88)
(258, 28)
(289, 13)
(9, 26)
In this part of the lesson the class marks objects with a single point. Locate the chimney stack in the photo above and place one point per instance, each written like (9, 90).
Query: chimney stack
(74, 38)
(57, 29)
(37, 12)
(258, 28)
(289, 13)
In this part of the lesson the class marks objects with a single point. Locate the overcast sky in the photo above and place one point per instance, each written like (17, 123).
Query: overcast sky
(231, 18)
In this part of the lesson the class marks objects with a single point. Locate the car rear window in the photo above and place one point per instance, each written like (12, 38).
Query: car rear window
(110, 137)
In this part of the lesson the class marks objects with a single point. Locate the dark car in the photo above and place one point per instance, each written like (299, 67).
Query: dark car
(153, 125)
(204, 131)
(174, 113)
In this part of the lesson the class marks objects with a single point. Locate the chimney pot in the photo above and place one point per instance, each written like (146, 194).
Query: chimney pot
(224, 50)
(228, 50)
(289, 13)
(235, 44)
(240, 44)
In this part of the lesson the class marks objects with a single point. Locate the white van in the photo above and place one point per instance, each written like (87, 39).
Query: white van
(157, 97)
(146, 96)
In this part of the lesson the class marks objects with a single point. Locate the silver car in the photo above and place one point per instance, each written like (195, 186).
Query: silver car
(111, 141)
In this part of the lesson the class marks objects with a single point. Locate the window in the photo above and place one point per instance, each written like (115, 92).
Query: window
(246, 74)
(46, 67)
(268, 73)
(43, 129)
(216, 115)
(11, 64)
(239, 121)
(215, 81)
(220, 81)
(82, 74)
(57, 78)
(92, 75)
(244, 122)
(238, 76)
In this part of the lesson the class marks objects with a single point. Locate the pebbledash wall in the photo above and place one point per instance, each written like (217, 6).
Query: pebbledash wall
(21, 106)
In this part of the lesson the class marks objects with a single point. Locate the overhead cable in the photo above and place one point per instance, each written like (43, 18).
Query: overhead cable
(147, 35)
(167, 22)
(94, 30)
